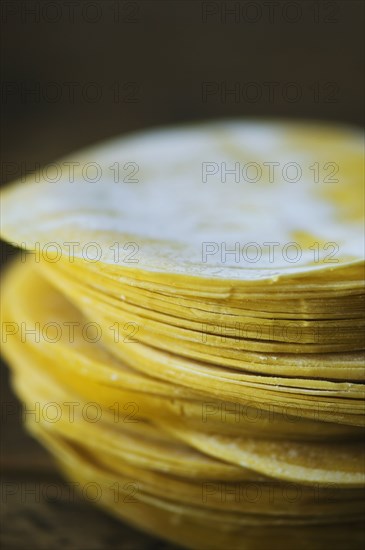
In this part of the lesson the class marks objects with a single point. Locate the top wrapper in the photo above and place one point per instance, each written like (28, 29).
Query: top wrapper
(246, 202)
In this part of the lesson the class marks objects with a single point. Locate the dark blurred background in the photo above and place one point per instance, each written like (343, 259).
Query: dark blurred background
(78, 71)
(75, 72)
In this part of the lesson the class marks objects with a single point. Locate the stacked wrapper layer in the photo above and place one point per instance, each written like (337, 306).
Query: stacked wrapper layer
(229, 394)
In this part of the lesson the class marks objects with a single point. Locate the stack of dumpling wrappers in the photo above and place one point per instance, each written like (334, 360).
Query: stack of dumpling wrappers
(198, 295)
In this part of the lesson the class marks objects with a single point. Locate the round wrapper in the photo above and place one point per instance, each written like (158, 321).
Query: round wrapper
(180, 215)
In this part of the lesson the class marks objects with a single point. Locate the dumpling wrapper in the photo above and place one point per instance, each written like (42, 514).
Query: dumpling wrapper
(160, 222)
